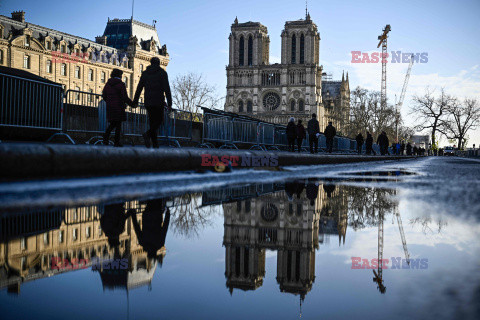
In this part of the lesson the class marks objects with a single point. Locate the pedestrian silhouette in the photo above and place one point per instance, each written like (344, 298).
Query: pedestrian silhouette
(291, 134)
(330, 133)
(155, 81)
(313, 129)
(301, 134)
(369, 144)
(115, 96)
(383, 142)
(154, 229)
(312, 191)
(113, 223)
(409, 149)
(359, 140)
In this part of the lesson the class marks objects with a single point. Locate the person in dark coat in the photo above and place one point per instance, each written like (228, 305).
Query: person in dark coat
(291, 134)
(154, 229)
(112, 223)
(115, 96)
(313, 128)
(155, 81)
(409, 149)
(301, 134)
(369, 144)
(330, 133)
(312, 191)
(359, 140)
(383, 142)
(402, 148)
(415, 150)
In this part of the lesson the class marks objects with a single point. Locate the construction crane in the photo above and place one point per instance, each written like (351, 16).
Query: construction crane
(399, 104)
(383, 42)
(379, 274)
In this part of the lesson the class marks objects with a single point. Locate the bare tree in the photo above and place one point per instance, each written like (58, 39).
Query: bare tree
(431, 112)
(462, 117)
(367, 114)
(191, 91)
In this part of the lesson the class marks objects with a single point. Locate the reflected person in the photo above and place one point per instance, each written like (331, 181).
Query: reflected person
(154, 229)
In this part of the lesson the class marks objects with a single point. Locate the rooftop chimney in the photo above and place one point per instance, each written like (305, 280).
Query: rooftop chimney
(18, 16)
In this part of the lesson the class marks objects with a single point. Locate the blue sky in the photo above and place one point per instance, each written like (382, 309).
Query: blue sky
(196, 34)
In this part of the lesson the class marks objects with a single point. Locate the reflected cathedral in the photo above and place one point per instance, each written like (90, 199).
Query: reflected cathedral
(288, 222)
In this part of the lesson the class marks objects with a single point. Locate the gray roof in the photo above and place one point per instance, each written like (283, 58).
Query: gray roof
(332, 87)
(40, 32)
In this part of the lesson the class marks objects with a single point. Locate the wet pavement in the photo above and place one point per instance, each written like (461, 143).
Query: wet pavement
(257, 244)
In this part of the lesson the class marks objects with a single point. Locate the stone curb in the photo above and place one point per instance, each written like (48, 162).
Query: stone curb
(27, 160)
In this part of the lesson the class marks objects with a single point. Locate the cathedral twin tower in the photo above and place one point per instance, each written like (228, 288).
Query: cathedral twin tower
(274, 92)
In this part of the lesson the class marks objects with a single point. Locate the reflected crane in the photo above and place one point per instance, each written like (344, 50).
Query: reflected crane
(378, 275)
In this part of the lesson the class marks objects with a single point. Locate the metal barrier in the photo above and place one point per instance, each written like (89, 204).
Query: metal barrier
(28, 103)
(85, 112)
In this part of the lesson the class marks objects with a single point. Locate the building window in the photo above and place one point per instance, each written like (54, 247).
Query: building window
(77, 72)
(90, 100)
(60, 237)
(45, 239)
(90, 74)
(141, 67)
(23, 243)
(49, 66)
(87, 232)
(102, 77)
(250, 51)
(63, 48)
(48, 45)
(27, 41)
(77, 52)
(300, 105)
(294, 49)
(1, 56)
(26, 62)
(125, 80)
(302, 49)
(240, 106)
(241, 51)
(292, 105)
(249, 106)
(63, 69)
(77, 97)
(100, 232)
(75, 234)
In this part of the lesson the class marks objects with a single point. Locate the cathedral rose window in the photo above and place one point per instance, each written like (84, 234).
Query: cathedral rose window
(271, 101)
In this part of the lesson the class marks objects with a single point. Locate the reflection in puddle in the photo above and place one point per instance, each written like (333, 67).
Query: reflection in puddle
(125, 243)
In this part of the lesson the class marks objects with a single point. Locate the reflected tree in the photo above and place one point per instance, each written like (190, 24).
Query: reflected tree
(189, 217)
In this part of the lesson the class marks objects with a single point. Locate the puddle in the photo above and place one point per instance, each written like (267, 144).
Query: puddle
(276, 247)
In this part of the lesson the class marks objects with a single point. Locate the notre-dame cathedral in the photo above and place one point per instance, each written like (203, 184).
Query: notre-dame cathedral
(293, 88)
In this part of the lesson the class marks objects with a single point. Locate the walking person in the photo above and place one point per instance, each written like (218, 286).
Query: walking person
(369, 144)
(330, 133)
(291, 134)
(383, 142)
(301, 134)
(115, 96)
(313, 129)
(409, 149)
(402, 148)
(155, 81)
(359, 140)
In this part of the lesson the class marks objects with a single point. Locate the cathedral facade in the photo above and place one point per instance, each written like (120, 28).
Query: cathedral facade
(276, 92)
